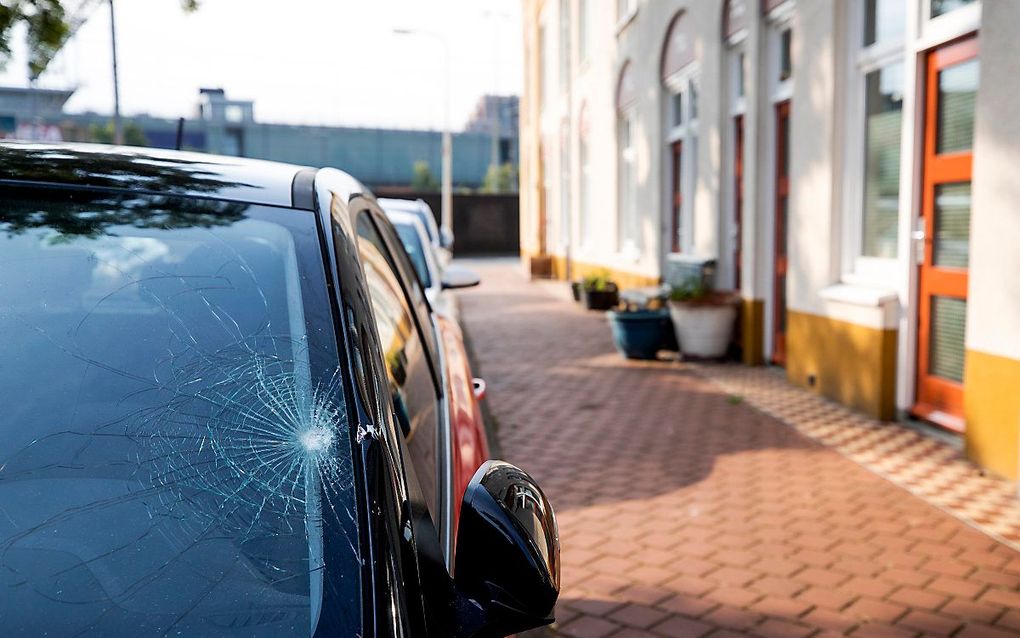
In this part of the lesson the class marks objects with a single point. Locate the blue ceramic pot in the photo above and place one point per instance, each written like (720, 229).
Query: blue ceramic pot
(640, 334)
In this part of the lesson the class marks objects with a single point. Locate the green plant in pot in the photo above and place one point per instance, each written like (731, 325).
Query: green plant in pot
(599, 292)
(640, 330)
(576, 290)
(702, 318)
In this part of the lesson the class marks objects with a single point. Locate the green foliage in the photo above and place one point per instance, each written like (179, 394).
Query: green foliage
(500, 179)
(691, 289)
(133, 134)
(422, 179)
(47, 30)
(49, 26)
(598, 282)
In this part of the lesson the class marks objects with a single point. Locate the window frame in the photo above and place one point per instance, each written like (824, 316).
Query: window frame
(862, 60)
(627, 245)
(686, 83)
(403, 271)
(778, 21)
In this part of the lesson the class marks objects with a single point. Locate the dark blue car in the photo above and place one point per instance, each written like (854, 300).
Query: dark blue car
(207, 430)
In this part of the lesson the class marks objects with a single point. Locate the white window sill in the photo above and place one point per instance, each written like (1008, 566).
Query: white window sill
(857, 295)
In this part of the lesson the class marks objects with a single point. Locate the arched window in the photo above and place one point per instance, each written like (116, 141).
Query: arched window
(734, 34)
(629, 240)
(680, 80)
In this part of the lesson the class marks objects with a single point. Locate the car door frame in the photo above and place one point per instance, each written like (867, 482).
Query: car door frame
(422, 311)
(396, 528)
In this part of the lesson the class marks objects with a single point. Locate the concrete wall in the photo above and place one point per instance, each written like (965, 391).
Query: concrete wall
(483, 224)
(374, 156)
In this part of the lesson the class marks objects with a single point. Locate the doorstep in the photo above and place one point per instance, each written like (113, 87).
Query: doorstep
(928, 466)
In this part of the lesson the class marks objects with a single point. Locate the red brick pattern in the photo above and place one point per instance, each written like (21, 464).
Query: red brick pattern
(686, 513)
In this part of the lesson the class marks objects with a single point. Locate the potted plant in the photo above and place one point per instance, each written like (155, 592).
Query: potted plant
(576, 288)
(640, 332)
(702, 318)
(599, 292)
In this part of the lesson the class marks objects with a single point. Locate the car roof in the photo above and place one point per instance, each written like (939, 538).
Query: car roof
(162, 172)
(403, 204)
(417, 207)
(405, 217)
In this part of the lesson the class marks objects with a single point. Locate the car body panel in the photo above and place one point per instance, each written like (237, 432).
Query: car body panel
(470, 444)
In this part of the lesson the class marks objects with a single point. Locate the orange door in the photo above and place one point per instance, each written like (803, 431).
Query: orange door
(944, 227)
(738, 194)
(781, 210)
(676, 150)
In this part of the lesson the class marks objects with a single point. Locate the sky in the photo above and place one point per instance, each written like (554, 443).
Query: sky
(334, 62)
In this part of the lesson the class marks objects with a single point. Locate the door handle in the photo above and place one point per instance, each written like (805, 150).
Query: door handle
(919, 236)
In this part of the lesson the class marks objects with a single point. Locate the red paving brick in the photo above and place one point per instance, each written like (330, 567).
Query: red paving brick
(684, 513)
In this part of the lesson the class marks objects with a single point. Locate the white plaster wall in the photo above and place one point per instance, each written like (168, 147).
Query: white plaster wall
(812, 207)
(993, 313)
(594, 86)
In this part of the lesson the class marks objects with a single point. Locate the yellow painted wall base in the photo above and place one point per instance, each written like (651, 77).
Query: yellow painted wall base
(752, 331)
(991, 403)
(579, 270)
(850, 363)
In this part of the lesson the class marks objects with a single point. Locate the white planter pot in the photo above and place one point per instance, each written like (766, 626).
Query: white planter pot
(703, 330)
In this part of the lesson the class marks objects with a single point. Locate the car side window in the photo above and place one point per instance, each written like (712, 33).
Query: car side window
(415, 402)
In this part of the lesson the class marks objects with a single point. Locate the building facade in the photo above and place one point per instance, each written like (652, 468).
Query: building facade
(846, 164)
(497, 115)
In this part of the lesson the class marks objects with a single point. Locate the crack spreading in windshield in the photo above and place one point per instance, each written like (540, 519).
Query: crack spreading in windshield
(225, 447)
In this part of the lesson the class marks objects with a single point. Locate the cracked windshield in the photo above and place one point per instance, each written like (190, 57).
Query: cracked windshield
(175, 455)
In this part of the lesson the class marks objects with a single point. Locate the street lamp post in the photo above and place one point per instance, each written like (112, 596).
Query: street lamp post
(446, 212)
(118, 134)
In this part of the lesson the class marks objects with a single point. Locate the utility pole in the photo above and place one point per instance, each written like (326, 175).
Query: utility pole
(118, 134)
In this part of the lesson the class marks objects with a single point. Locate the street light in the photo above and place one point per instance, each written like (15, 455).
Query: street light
(446, 212)
(118, 133)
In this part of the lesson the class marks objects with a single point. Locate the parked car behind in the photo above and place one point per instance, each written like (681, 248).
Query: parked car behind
(435, 277)
(440, 237)
(225, 414)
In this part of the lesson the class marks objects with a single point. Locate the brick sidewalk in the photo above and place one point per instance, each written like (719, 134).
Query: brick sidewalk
(684, 512)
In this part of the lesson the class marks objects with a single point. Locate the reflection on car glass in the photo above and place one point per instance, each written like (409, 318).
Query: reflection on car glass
(411, 240)
(174, 457)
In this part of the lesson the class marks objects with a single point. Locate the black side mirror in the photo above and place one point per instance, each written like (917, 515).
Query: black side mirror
(507, 570)
(460, 277)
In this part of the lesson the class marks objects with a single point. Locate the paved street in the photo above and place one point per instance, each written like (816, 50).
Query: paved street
(684, 511)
